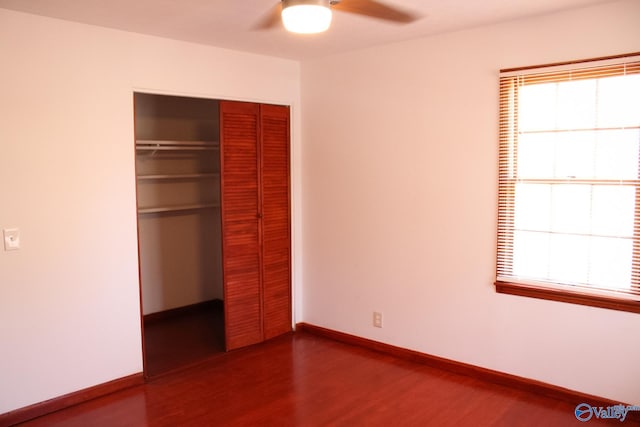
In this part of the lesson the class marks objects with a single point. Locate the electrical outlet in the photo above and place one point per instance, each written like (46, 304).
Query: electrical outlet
(11, 239)
(377, 319)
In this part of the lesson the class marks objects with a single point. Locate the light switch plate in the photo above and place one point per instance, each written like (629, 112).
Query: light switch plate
(11, 239)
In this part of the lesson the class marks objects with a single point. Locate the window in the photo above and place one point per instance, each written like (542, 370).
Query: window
(569, 183)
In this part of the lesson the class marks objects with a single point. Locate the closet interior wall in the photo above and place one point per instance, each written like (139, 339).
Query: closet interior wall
(178, 187)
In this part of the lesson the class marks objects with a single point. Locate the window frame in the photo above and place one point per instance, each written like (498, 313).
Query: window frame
(629, 302)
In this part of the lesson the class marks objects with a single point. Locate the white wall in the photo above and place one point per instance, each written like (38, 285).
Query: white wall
(69, 299)
(400, 195)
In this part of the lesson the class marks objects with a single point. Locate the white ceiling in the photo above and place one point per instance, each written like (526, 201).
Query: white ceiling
(228, 23)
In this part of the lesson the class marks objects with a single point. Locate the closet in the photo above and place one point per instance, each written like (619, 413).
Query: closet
(213, 221)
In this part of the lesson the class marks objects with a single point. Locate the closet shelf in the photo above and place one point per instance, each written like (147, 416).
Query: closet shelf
(178, 208)
(170, 177)
(170, 145)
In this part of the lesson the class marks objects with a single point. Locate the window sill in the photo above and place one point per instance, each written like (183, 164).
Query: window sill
(600, 301)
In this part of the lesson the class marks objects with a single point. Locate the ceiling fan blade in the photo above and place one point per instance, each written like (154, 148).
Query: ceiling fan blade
(270, 19)
(375, 9)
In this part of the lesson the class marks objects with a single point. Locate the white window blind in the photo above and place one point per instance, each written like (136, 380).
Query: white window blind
(569, 188)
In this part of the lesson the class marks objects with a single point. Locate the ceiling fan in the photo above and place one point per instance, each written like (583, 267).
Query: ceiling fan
(314, 16)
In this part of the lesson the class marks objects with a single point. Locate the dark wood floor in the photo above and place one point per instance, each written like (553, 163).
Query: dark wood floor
(305, 380)
(183, 339)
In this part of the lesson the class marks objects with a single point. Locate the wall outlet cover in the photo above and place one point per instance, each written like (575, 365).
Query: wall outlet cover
(11, 239)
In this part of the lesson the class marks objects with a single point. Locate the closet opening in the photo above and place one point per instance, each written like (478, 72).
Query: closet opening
(179, 230)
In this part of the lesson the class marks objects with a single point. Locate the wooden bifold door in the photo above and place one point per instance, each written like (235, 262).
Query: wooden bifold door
(255, 212)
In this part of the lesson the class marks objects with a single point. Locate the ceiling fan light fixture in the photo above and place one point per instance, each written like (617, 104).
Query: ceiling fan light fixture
(306, 16)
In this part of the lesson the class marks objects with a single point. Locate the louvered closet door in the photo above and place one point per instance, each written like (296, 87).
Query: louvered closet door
(239, 158)
(276, 241)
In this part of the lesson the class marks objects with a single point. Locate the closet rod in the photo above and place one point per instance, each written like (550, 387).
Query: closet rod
(160, 144)
(163, 209)
(174, 148)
